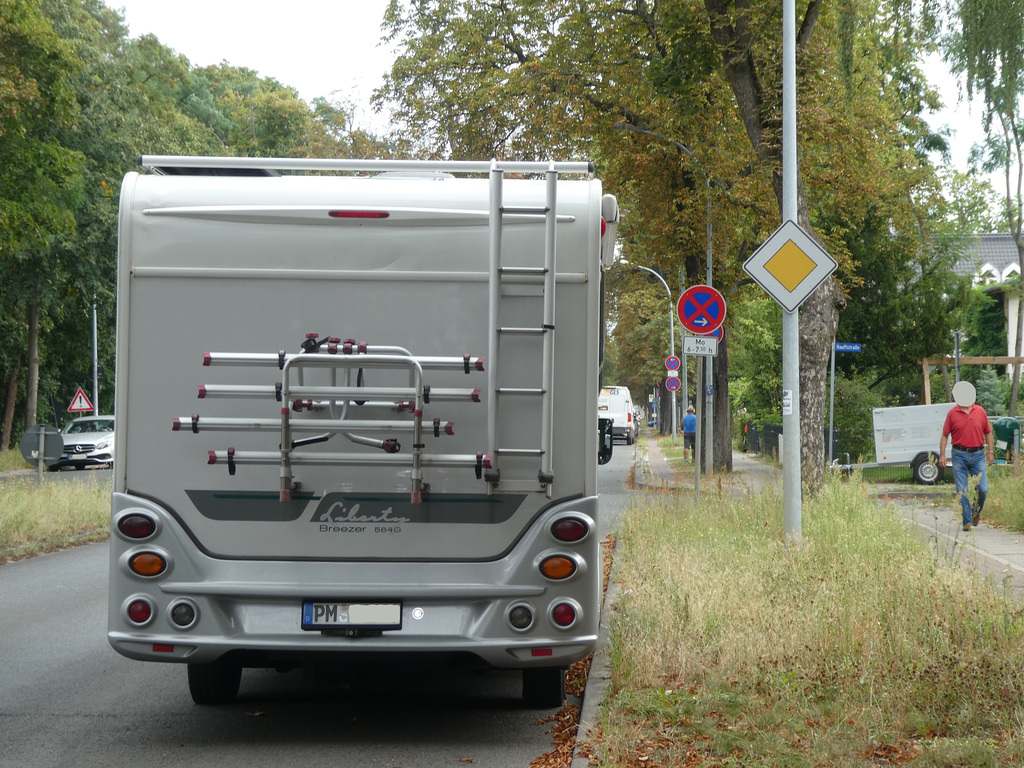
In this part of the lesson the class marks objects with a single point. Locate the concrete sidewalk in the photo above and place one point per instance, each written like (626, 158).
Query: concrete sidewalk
(993, 552)
(749, 475)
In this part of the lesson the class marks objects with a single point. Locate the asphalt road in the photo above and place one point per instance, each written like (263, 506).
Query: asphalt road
(66, 698)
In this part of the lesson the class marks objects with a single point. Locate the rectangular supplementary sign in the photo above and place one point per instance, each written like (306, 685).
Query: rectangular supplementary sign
(846, 346)
(700, 345)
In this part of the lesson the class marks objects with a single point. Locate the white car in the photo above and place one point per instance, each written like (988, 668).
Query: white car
(88, 441)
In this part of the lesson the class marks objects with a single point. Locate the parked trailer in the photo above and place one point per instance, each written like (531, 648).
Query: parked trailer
(349, 420)
(909, 435)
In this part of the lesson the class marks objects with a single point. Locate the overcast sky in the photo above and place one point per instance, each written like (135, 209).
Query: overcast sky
(320, 47)
(315, 46)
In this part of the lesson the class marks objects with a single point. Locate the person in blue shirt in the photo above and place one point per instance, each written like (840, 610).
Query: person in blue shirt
(689, 433)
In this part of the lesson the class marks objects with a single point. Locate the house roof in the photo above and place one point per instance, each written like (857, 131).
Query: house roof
(988, 258)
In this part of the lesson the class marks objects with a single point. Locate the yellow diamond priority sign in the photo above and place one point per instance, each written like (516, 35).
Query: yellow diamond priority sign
(790, 265)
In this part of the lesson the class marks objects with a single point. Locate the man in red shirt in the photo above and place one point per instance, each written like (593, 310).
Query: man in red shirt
(967, 424)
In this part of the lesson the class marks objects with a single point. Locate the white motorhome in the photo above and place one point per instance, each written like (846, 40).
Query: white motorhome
(356, 414)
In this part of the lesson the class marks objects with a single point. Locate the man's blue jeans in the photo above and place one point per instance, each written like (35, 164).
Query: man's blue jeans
(970, 464)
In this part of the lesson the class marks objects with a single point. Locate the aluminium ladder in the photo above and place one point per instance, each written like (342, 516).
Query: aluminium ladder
(545, 331)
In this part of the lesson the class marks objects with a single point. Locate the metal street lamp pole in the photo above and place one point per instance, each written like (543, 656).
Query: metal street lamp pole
(709, 419)
(95, 365)
(792, 522)
(672, 332)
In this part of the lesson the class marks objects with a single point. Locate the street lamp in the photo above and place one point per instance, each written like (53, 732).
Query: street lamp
(672, 333)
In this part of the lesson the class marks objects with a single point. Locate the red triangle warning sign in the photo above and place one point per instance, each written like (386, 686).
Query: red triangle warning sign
(80, 403)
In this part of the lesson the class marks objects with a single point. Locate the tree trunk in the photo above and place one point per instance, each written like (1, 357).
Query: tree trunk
(12, 394)
(721, 459)
(1015, 387)
(664, 410)
(819, 318)
(32, 383)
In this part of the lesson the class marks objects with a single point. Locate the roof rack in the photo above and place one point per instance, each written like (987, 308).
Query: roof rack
(268, 166)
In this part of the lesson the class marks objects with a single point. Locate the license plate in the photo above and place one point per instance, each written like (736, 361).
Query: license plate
(333, 615)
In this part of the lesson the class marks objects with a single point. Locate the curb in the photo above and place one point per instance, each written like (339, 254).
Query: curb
(600, 674)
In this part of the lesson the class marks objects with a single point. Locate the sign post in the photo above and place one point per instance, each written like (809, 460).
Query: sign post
(837, 346)
(41, 444)
(701, 310)
(790, 265)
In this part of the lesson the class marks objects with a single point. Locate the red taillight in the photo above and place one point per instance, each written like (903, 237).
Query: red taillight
(604, 226)
(563, 615)
(569, 529)
(136, 526)
(139, 611)
(358, 214)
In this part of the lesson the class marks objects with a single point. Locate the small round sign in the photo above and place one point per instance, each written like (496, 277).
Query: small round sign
(701, 309)
(672, 384)
(672, 363)
(718, 333)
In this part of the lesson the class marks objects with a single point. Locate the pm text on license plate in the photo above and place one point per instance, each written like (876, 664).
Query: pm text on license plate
(331, 615)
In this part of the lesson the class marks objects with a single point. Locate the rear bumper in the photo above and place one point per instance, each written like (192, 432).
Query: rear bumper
(252, 609)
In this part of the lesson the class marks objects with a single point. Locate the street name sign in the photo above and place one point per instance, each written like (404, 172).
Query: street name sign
(846, 346)
(790, 265)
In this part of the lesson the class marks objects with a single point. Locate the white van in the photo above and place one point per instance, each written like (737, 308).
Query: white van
(616, 403)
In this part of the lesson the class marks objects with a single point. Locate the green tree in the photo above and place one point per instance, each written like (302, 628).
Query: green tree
(680, 103)
(993, 391)
(985, 46)
(756, 352)
(901, 303)
(39, 178)
(984, 324)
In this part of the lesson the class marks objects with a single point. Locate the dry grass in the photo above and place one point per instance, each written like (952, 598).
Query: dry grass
(12, 459)
(858, 649)
(38, 518)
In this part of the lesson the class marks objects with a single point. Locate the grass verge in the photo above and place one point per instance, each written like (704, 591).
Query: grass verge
(13, 460)
(36, 518)
(732, 649)
(1005, 501)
